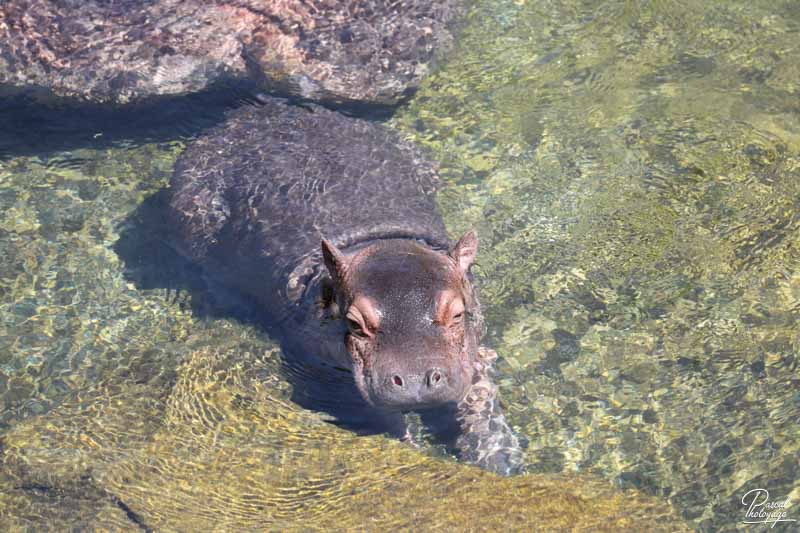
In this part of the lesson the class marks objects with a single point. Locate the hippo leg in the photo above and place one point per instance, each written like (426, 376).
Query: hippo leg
(397, 427)
(485, 438)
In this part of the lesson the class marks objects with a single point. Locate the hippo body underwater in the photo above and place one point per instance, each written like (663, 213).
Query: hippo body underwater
(329, 224)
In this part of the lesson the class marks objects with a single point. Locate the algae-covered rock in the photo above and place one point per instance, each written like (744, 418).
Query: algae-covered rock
(351, 50)
(225, 450)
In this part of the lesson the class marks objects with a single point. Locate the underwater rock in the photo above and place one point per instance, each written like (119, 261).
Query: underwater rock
(326, 50)
(225, 450)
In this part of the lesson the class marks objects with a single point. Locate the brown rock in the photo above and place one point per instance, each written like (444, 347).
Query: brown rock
(327, 50)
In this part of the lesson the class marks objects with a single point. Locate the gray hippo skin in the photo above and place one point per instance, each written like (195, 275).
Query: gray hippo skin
(330, 224)
(367, 51)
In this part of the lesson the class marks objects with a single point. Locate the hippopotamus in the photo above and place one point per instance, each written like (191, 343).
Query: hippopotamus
(329, 223)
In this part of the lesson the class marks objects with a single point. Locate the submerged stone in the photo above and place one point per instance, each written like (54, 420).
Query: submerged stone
(226, 450)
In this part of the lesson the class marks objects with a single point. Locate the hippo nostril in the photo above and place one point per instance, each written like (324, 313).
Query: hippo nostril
(397, 380)
(434, 378)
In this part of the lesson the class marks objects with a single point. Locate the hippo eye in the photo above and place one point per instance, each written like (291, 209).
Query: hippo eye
(450, 311)
(355, 328)
(362, 318)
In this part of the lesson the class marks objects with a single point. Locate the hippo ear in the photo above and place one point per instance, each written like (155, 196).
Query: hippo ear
(335, 261)
(465, 250)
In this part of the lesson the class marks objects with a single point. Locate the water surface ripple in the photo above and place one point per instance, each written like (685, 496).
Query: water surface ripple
(633, 171)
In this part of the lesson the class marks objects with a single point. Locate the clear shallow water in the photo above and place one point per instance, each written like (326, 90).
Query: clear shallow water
(633, 174)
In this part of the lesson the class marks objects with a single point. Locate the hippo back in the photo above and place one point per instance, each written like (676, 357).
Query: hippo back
(253, 197)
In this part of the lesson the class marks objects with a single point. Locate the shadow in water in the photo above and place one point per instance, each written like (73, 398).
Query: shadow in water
(37, 123)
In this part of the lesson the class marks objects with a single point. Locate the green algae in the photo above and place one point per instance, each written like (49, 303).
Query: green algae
(69, 314)
(225, 449)
(632, 171)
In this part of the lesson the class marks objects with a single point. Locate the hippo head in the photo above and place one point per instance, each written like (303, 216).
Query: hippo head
(413, 323)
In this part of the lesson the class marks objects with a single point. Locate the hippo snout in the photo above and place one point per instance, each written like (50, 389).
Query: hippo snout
(414, 390)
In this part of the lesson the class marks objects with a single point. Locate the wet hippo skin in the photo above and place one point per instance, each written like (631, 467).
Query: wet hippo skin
(329, 223)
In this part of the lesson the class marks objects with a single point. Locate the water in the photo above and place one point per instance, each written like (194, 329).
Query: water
(632, 171)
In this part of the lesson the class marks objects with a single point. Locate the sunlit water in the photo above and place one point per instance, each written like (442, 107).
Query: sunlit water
(633, 171)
